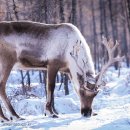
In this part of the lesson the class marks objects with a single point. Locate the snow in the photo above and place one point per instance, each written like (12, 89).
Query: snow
(112, 105)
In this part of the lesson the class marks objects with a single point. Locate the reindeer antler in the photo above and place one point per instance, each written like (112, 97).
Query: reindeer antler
(74, 54)
(75, 58)
(109, 44)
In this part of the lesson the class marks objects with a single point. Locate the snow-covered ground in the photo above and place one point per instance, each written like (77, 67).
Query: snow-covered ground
(112, 105)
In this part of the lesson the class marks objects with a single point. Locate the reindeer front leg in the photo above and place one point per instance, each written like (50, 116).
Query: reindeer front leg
(51, 76)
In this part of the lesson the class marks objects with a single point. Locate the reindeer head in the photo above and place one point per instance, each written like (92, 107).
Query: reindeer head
(89, 89)
(87, 92)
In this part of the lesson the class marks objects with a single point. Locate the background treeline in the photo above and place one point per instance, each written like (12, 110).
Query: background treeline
(94, 18)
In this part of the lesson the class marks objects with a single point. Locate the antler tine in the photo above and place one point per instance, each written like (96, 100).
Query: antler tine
(76, 58)
(76, 62)
(111, 49)
(110, 46)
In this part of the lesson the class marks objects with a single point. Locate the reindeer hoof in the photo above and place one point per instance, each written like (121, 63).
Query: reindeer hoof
(51, 115)
(94, 114)
(54, 116)
(21, 118)
(45, 114)
(15, 118)
(4, 119)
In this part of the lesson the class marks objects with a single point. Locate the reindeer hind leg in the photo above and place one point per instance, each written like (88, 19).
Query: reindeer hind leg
(2, 117)
(4, 96)
(7, 61)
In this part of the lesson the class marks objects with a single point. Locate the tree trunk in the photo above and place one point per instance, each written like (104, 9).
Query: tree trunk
(102, 52)
(114, 27)
(22, 82)
(15, 10)
(40, 77)
(62, 19)
(81, 16)
(128, 1)
(8, 13)
(28, 81)
(74, 16)
(46, 15)
(95, 36)
(124, 36)
(45, 80)
(66, 84)
(127, 5)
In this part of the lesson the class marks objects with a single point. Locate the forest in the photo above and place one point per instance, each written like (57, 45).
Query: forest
(27, 91)
(94, 18)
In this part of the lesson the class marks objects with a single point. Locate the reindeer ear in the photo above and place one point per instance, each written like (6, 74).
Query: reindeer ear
(80, 78)
(97, 77)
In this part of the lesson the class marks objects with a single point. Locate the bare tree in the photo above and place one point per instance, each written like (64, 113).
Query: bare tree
(8, 13)
(61, 7)
(124, 35)
(73, 13)
(22, 82)
(127, 6)
(114, 25)
(81, 16)
(95, 36)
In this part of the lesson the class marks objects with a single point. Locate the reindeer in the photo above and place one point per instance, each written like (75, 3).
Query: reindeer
(55, 47)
